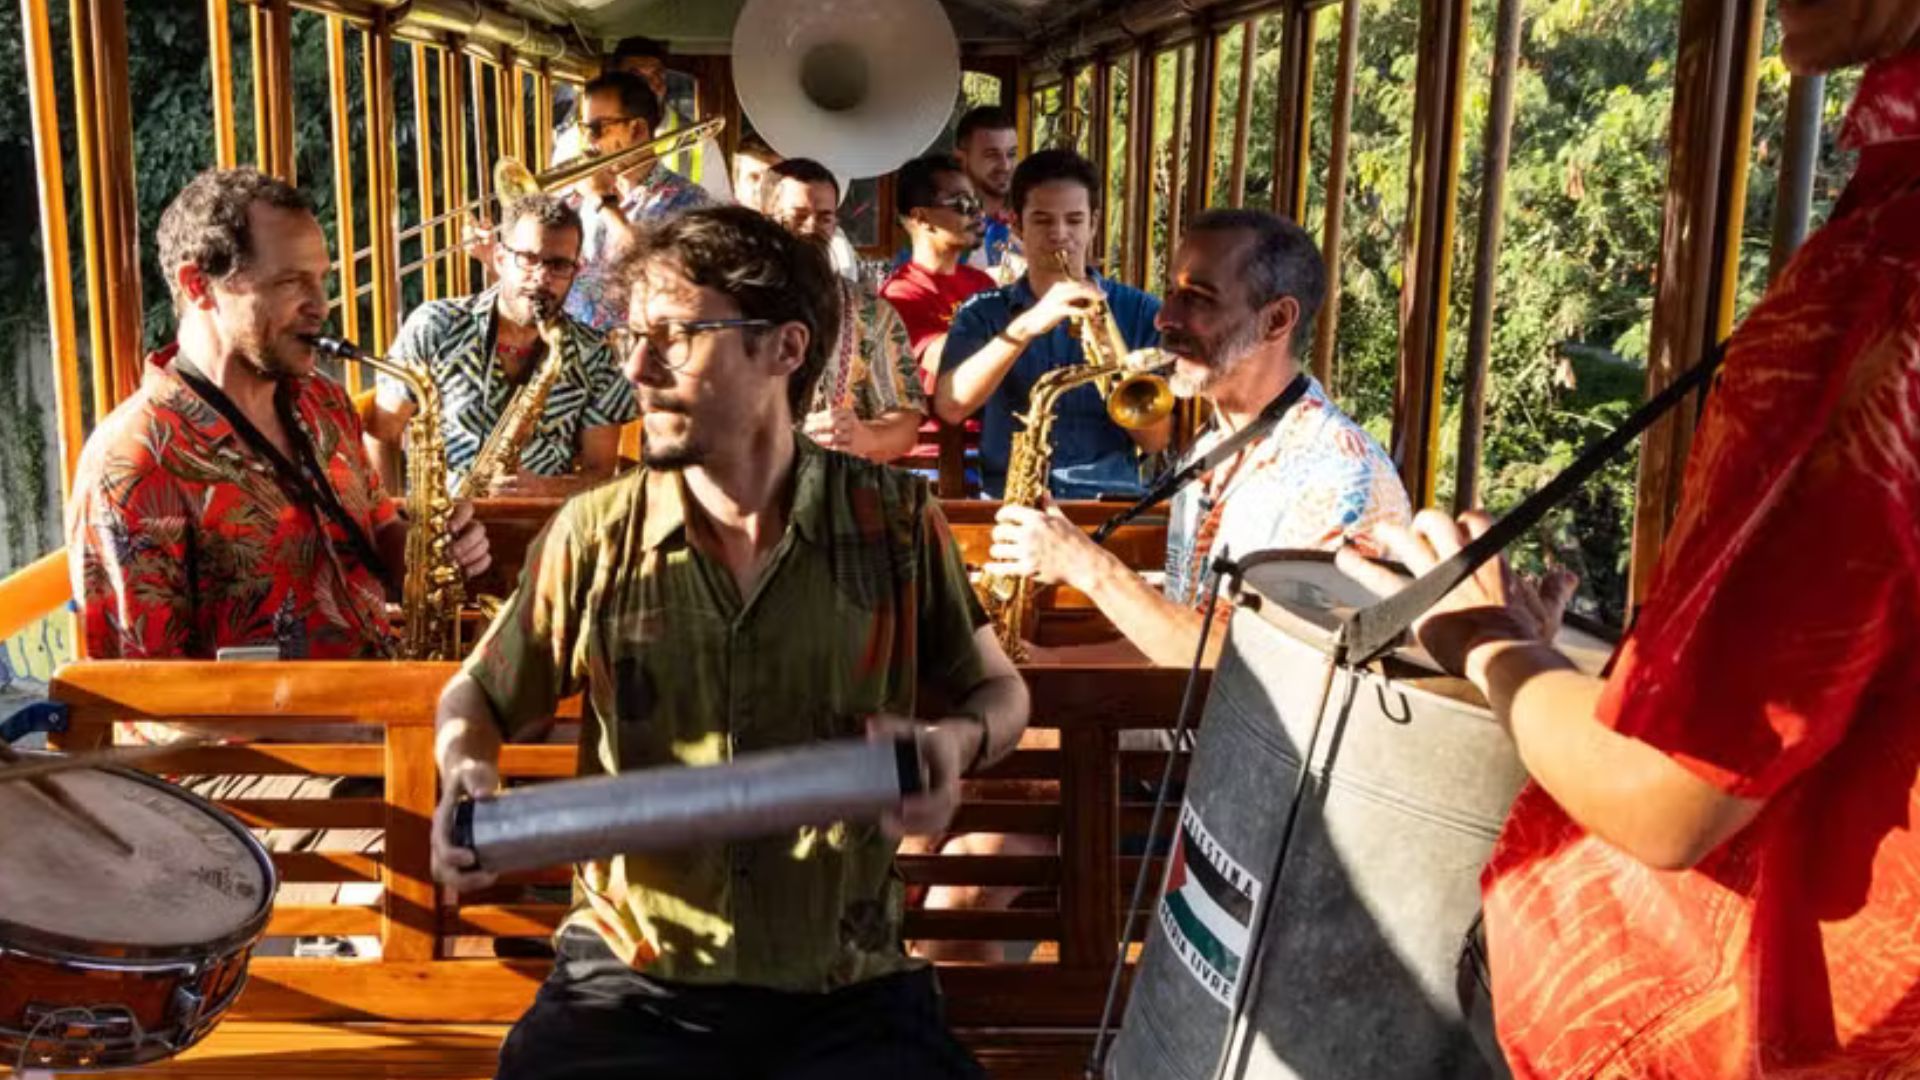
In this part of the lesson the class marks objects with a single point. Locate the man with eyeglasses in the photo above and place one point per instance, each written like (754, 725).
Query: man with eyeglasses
(745, 591)
(619, 110)
(481, 350)
(869, 401)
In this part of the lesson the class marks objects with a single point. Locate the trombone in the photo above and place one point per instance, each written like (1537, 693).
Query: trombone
(513, 180)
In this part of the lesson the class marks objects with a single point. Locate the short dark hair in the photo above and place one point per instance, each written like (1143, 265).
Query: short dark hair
(805, 170)
(639, 48)
(917, 183)
(1282, 261)
(767, 271)
(637, 99)
(551, 211)
(1047, 166)
(982, 118)
(206, 225)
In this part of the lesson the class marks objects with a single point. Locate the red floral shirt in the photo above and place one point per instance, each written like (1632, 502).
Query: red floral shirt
(1775, 659)
(183, 541)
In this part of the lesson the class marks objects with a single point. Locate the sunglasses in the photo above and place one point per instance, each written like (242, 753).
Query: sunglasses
(965, 205)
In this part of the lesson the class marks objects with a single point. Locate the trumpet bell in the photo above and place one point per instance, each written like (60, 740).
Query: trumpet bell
(513, 180)
(1142, 399)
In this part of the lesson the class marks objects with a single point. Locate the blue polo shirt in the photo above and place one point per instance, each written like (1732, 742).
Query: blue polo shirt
(1092, 456)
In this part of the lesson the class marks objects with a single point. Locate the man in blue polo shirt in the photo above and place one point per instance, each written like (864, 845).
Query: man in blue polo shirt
(1003, 340)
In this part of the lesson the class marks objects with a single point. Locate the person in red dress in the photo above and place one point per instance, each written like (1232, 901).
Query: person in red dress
(941, 214)
(1715, 872)
(229, 501)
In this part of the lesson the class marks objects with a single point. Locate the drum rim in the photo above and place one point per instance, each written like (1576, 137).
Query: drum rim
(50, 944)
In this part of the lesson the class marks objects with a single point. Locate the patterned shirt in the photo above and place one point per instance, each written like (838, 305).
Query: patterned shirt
(595, 299)
(184, 540)
(1092, 455)
(1313, 480)
(455, 339)
(1774, 659)
(864, 601)
(927, 302)
(887, 376)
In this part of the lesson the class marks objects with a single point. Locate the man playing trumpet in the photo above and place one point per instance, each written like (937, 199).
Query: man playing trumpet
(1004, 340)
(482, 351)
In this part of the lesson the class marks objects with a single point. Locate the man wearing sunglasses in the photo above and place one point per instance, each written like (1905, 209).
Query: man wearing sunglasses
(745, 591)
(481, 350)
(619, 110)
(943, 220)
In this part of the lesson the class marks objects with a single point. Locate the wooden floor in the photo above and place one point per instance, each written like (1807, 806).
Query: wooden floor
(280, 1051)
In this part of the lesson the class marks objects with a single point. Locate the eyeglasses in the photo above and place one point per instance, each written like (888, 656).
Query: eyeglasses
(672, 341)
(530, 261)
(593, 129)
(963, 204)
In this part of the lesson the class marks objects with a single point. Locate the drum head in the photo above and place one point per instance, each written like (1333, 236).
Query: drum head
(1305, 594)
(197, 882)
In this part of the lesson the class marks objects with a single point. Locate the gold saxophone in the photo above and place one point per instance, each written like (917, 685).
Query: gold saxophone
(1136, 398)
(501, 452)
(433, 587)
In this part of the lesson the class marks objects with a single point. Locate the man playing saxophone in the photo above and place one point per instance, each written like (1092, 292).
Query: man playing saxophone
(1004, 340)
(229, 501)
(1246, 286)
(505, 351)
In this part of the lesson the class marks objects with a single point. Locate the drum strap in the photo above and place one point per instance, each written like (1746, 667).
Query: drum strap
(1375, 629)
(1207, 462)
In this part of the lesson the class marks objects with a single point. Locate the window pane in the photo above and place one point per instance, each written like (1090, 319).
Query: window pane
(1230, 49)
(1119, 79)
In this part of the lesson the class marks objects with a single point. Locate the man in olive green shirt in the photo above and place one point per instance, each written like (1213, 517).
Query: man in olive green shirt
(746, 591)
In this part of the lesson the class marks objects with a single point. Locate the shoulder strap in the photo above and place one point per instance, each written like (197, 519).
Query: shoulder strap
(307, 486)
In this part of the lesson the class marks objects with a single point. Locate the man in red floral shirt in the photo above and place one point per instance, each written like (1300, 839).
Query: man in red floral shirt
(229, 502)
(1716, 872)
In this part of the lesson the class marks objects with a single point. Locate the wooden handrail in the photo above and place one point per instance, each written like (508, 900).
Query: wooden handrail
(33, 592)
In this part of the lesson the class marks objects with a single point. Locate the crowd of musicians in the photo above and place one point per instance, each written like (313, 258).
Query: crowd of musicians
(1715, 872)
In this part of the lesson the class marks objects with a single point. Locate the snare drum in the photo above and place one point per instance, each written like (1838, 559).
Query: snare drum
(111, 960)
(1354, 970)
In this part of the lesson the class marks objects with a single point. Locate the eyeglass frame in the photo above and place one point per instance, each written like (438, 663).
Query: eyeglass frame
(682, 330)
(557, 268)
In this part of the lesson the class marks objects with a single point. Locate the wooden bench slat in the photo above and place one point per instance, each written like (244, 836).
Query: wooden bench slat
(323, 919)
(505, 920)
(1037, 871)
(555, 762)
(983, 925)
(309, 813)
(326, 866)
(269, 759)
(994, 816)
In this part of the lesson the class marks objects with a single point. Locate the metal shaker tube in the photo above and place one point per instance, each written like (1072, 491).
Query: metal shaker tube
(677, 807)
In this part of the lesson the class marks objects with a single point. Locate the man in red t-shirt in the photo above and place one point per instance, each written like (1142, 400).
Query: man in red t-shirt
(942, 216)
(1715, 872)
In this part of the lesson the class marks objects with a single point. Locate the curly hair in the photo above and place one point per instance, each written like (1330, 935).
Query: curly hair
(207, 226)
(551, 211)
(766, 271)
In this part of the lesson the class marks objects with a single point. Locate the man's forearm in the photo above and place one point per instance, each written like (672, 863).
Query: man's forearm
(962, 391)
(1002, 703)
(894, 433)
(464, 727)
(1165, 631)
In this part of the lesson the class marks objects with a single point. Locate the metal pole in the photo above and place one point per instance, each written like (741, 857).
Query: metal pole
(1793, 199)
(343, 205)
(1486, 259)
(1243, 112)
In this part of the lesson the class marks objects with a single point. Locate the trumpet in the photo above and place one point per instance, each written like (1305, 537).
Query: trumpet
(1138, 396)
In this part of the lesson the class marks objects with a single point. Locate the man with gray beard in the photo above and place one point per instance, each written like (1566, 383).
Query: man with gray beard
(1246, 286)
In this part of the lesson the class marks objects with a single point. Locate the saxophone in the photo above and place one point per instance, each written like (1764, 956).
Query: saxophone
(432, 589)
(1136, 398)
(508, 439)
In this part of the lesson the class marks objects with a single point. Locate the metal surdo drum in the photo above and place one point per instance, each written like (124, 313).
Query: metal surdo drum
(109, 960)
(1353, 970)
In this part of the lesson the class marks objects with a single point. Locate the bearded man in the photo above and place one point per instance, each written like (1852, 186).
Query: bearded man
(1246, 286)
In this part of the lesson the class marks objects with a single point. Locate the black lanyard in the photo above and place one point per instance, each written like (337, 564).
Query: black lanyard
(307, 487)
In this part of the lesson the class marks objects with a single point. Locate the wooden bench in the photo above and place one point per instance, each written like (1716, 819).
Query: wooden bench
(1067, 784)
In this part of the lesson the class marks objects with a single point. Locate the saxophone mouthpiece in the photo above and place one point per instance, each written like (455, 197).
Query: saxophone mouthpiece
(336, 348)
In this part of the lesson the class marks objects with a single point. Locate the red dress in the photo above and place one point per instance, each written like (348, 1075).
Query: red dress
(1777, 658)
(183, 541)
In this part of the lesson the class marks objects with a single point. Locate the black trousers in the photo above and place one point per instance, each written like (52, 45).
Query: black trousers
(596, 1018)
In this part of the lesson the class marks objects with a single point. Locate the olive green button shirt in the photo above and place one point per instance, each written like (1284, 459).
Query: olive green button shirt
(863, 600)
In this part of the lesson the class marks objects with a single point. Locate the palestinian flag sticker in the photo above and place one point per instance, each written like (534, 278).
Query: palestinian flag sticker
(1207, 908)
